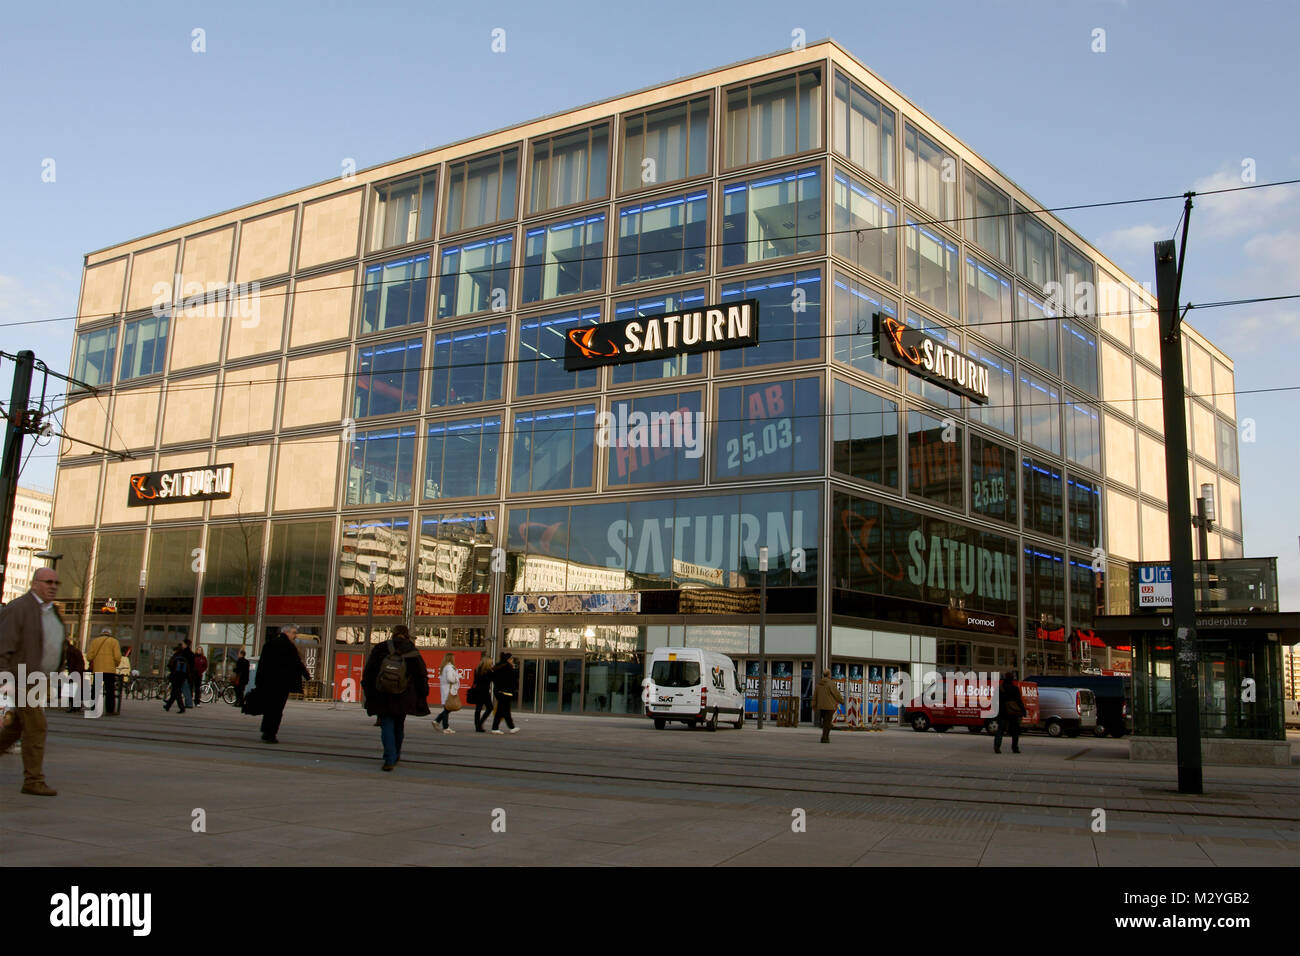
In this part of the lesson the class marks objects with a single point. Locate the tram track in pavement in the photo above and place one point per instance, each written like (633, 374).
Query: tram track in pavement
(711, 773)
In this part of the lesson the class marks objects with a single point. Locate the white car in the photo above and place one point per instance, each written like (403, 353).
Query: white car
(692, 686)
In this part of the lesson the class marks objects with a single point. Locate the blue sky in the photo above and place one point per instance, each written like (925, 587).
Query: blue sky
(146, 134)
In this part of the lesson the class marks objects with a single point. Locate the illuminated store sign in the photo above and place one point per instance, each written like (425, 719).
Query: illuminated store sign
(643, 338)
(185, 484)
(926, 356)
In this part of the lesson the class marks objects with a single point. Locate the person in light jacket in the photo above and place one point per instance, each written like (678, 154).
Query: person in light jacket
(449, 683)
(104, 655)
(826, 698)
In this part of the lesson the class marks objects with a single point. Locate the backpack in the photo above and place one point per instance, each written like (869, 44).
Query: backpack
(392, 677)
(178, 664)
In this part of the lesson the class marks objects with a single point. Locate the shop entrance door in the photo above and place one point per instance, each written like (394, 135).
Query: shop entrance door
(550, 685)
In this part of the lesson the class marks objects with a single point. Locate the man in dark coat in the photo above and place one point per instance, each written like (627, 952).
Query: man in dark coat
(241, 677)
(392, 708)
(280, 672)
(505, 680)
(826, 699)
(191, 692)
(76, 665)
(178, 675)
(1011, 707)
(31, 637)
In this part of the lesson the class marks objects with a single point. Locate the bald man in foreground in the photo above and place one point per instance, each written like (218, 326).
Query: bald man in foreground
(31, 636)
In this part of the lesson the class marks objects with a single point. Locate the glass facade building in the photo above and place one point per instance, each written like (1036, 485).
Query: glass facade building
(381, 360)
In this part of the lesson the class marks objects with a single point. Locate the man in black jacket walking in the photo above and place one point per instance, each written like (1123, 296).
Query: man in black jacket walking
(392, 705)
(280, 672)
(506, 681)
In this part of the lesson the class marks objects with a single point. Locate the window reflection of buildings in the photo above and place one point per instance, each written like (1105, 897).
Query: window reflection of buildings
(536, 573)
(383, 545)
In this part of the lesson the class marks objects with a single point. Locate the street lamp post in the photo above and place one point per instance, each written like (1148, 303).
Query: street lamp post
(138, 625)
(1204, 522)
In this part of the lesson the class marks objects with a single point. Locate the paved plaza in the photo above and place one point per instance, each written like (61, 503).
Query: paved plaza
(133, 790)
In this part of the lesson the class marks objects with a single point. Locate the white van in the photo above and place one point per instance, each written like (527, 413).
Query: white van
(693, 686)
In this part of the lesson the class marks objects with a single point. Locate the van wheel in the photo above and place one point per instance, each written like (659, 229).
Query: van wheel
(1053, 728)
(660, 724)
(1099, 731)
(920, 723)
(712, 724)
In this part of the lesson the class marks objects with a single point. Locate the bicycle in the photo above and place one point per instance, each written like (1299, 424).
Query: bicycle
(214, 689)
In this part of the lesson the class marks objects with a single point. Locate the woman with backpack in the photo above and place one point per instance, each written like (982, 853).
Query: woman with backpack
(396, 684)
(449, 684)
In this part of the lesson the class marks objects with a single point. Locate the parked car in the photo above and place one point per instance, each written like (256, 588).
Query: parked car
(692, 686)
(1113, 694)
(965, 704)
(1066, 710)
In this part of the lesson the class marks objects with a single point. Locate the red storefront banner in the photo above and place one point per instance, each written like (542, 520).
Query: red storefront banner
(235, 606)
(451, 605)
(357, 605)
(295, 605)
(351, 664)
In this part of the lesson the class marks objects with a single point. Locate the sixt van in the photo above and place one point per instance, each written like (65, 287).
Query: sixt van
(692, 686)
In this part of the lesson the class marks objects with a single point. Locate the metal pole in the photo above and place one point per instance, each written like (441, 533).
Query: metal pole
(370, 606)
(762, 634)
(497, 614)
(1187, 713)
(138, 624)
(1203, 535)
(12, 461)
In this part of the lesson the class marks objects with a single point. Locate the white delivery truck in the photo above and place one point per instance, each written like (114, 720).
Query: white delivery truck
(693, 686)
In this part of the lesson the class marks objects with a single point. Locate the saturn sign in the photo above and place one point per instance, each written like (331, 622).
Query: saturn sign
(649, 337)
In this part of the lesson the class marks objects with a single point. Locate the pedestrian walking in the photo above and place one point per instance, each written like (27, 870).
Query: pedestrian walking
(241, 677)
(188, 686)
(280, 672)
(1011, 707)
(123, 678)
(396, 683)
(826, 698)
(105, 657)
(506, 681)
(178, 675)
(32, 637)
(449, 684)
(200, 668)
(75, 664)
(482, 693)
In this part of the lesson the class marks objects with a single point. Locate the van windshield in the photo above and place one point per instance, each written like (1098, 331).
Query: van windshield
(676, 673)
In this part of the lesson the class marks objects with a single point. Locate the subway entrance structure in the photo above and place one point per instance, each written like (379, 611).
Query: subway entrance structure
(383, 367)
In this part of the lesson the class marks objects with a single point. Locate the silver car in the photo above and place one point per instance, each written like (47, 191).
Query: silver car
(1066, 710)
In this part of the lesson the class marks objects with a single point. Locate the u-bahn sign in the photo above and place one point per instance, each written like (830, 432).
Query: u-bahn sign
(643, 338)
(208, 483)
(926, 356)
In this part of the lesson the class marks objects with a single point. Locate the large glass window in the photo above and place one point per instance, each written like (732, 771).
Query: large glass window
(475, 277)
(774, 118)
(1080, 349)
(660, 303)
(988, 217)
(1226, 438)
(380, 466)
(234, 566)
(1035, 252)
(771, 217)
(856, 306)
(1039, 331)
(461, 457)
(934, 459)
(1085, 511)
(866, 228)
(95, 353)
(1044, 589)
(666, 144)
(481, 191)
(1000, 412)
(395, 294)
(655, 438)
(863, 129)
(1044, 497)
(929, 175)
(772, 428)
(564, 258)
(453, 555)
(388, 378)
(1078, 283)
(1087, 593)
(385, 543)
(993, 470)
(569, 168)
(403, 211)
(540, 356)
(988, 303)
(931, 261)
(865, 435)
(790, 318)
(298, 567)
(468, 365)
(144, 347)
(553, 449)
(1040, 412)
(1082, 433)
(663, 237)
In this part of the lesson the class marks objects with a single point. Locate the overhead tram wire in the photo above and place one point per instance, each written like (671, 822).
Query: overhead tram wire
(950, 223)
(487, 317)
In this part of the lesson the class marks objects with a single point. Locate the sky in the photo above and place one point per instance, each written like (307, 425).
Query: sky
(145, 132)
